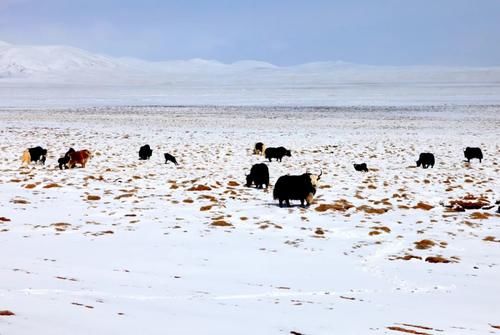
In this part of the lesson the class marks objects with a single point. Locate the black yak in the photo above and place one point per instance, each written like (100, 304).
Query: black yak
(65, 159)
(36, 154)
(259, 175)
(145, 152)
(170, 158)
(361, 167)
(426, 159)
(259, 148)
(471, 153)
(277, 153)
(302, 187)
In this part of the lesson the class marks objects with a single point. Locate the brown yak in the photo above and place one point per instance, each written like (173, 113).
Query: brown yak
(79, 157)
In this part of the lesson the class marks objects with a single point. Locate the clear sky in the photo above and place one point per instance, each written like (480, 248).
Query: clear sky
(284, 32)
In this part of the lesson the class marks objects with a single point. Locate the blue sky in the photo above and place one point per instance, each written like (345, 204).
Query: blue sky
(284, 32)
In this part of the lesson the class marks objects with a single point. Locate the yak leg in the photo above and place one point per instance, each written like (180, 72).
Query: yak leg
(287, 202)
(309, 199)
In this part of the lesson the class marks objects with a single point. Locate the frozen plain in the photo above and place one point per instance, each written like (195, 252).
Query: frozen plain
(155, 255)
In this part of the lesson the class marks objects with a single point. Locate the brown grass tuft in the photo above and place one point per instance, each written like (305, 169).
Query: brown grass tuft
(424, 206)
(408, 331)
(199, 188)
(340, 205)
(319, 231)
(480, 216)
(221, 223)
(407, 257)
(372, 210)
(437, 259)
(52, 185)
(424, 244)
(20, 201)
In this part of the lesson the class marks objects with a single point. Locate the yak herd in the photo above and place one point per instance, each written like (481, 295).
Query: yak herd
(303, 187)
(287, 187)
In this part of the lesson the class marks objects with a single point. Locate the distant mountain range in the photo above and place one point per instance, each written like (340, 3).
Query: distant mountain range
(64, 64)
(44, 76)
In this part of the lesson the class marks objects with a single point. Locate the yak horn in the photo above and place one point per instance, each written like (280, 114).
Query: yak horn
(320, 173)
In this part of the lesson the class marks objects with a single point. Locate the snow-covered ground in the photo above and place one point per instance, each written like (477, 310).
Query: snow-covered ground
(153, 255)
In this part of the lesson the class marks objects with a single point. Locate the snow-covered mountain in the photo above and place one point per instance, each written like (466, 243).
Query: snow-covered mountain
(53, 74)
(25, 61)
(63, 63)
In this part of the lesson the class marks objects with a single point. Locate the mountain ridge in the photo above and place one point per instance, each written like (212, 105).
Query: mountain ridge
(59, 63)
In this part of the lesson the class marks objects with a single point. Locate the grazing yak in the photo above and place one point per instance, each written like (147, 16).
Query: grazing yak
(426, 159)
(65, 159)
(79, 157)
(145, 152)
(36, 154)
(471, 153)
(277, 153)
(361, 167)
(259, 148)
(302, 187)
(259, 175)
(170, 158)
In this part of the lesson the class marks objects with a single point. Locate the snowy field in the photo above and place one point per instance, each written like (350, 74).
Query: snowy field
(139, 247)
